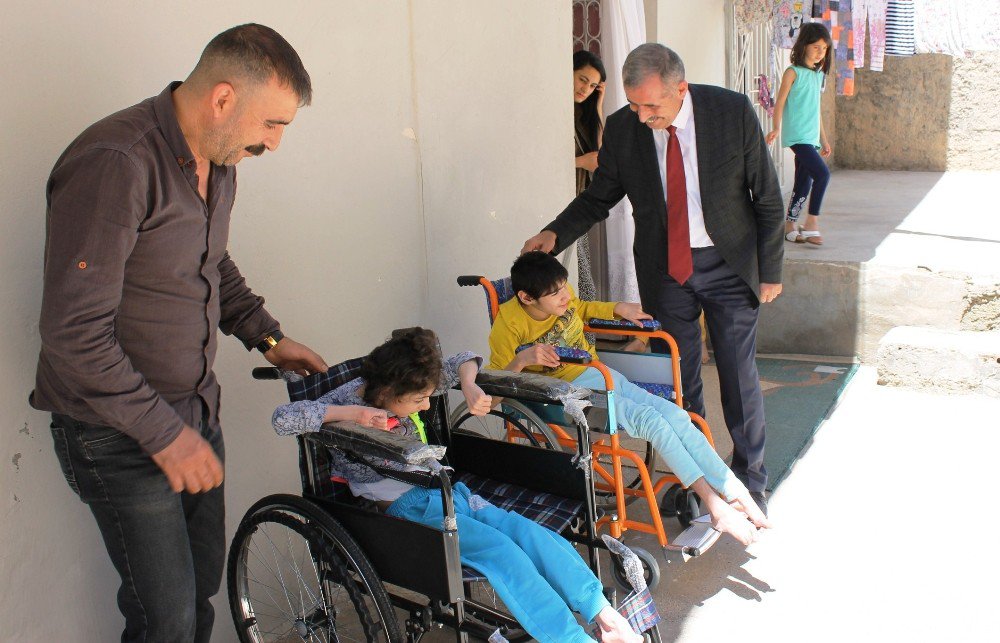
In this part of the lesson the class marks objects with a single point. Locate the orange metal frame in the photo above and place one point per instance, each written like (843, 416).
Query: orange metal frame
(611, 447)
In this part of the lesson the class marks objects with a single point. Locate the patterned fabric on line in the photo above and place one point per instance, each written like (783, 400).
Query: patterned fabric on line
(899, 28)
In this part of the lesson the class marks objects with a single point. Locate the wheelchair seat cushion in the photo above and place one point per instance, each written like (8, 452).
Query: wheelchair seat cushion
(548, 510)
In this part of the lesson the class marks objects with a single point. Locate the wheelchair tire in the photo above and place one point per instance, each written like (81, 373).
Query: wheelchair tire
(688, 506)
(493, 425)
(295, 573)
(650, 570)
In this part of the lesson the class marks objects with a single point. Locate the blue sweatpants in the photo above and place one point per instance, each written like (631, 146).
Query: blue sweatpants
(670, 430)
(535, 571)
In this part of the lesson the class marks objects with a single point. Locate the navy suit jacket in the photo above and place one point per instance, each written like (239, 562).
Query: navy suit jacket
(740, 195)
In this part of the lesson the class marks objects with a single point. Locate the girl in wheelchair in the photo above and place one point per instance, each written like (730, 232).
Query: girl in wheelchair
(537, 573)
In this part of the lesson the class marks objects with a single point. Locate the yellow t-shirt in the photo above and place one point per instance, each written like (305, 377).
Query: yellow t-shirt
(514, 327)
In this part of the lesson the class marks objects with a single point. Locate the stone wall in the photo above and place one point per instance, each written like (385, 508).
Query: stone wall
(925, 112)
(897, 118)
(974, 124)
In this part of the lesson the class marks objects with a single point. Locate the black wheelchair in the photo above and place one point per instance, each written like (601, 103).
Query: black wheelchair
(326, 566)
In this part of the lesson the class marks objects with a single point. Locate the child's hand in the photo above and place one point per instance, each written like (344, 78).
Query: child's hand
(374, 418)
(631, 311)
(476, 399)
(773, 134)
(539, 355)
(825, 150)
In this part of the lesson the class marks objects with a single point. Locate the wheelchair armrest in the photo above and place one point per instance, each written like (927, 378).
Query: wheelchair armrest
(361, 440)
(530, 387)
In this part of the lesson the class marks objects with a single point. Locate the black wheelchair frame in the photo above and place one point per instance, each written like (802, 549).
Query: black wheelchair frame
(356, 552)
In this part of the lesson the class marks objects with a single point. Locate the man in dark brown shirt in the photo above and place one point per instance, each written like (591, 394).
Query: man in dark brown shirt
(137, 280)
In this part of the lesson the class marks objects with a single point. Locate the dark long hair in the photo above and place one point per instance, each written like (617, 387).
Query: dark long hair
(808, 34)
(587, 120)
(407, 362)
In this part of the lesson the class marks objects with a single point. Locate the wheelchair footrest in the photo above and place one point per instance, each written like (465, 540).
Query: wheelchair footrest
(696, 539)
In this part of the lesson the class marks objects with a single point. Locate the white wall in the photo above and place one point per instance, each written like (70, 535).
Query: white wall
(696, 30)
(483, 86)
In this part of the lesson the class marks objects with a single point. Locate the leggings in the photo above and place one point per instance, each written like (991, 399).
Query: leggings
(875, 12)
(810, 173)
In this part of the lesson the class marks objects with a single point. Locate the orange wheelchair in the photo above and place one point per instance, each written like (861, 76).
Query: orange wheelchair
(622, 475)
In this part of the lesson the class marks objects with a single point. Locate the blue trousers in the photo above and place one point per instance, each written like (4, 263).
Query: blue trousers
(811, 173)
(536, 572)
(168, 548)
(731, 311)
(670, 430)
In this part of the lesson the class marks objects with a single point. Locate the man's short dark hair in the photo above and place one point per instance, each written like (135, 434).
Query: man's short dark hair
(537, 274)
(258, 53)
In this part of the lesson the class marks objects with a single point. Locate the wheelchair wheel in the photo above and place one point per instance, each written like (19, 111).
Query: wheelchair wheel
(295, 574)
(511, 414)
(650, 570)
(688, 506)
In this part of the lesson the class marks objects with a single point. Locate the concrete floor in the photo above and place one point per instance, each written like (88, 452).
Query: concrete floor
(892, 218)
(900, 249)
(882, 533)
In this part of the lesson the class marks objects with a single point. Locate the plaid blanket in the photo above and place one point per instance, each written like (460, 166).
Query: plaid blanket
(554, 512)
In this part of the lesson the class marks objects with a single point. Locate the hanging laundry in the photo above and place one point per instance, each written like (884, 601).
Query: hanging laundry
(764, 97)
(751, 13)
(836, 15)
(899, 26)
(872, 13)
(788, 18)
(955, 27)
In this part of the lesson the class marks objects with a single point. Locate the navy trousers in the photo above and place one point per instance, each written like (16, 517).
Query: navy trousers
(169, 548)
(811, 173)
(731, 311)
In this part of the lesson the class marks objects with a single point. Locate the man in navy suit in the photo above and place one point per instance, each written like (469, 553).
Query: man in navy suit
(708, 230)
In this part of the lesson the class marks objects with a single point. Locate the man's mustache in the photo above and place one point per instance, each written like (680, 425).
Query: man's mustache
(256, 150)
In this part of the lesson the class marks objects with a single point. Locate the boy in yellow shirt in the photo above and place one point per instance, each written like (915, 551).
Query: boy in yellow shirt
(547, 313)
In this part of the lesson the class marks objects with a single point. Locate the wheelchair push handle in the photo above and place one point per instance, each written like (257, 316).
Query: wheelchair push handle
(648, 325)
(266, 373)
(469, 280)
(565, 353)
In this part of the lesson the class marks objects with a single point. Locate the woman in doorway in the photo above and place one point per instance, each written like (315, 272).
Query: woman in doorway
(588, 127)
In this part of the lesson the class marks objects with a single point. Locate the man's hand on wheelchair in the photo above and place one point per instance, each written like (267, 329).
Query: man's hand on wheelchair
(476, 399)
(190, 463)
(631, 311)
(289, 355)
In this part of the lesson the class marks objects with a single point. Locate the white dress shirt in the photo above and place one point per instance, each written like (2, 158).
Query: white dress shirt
(684, 122)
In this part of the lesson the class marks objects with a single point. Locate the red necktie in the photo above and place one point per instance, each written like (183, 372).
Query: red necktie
(679, 264)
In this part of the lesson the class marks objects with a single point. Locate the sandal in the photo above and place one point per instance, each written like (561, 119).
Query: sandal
(811, 236)
(794, 236)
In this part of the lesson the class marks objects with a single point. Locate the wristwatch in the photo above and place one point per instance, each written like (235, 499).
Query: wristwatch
(270, 341)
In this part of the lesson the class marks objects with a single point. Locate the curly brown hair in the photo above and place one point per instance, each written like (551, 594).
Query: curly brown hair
(408, 362)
